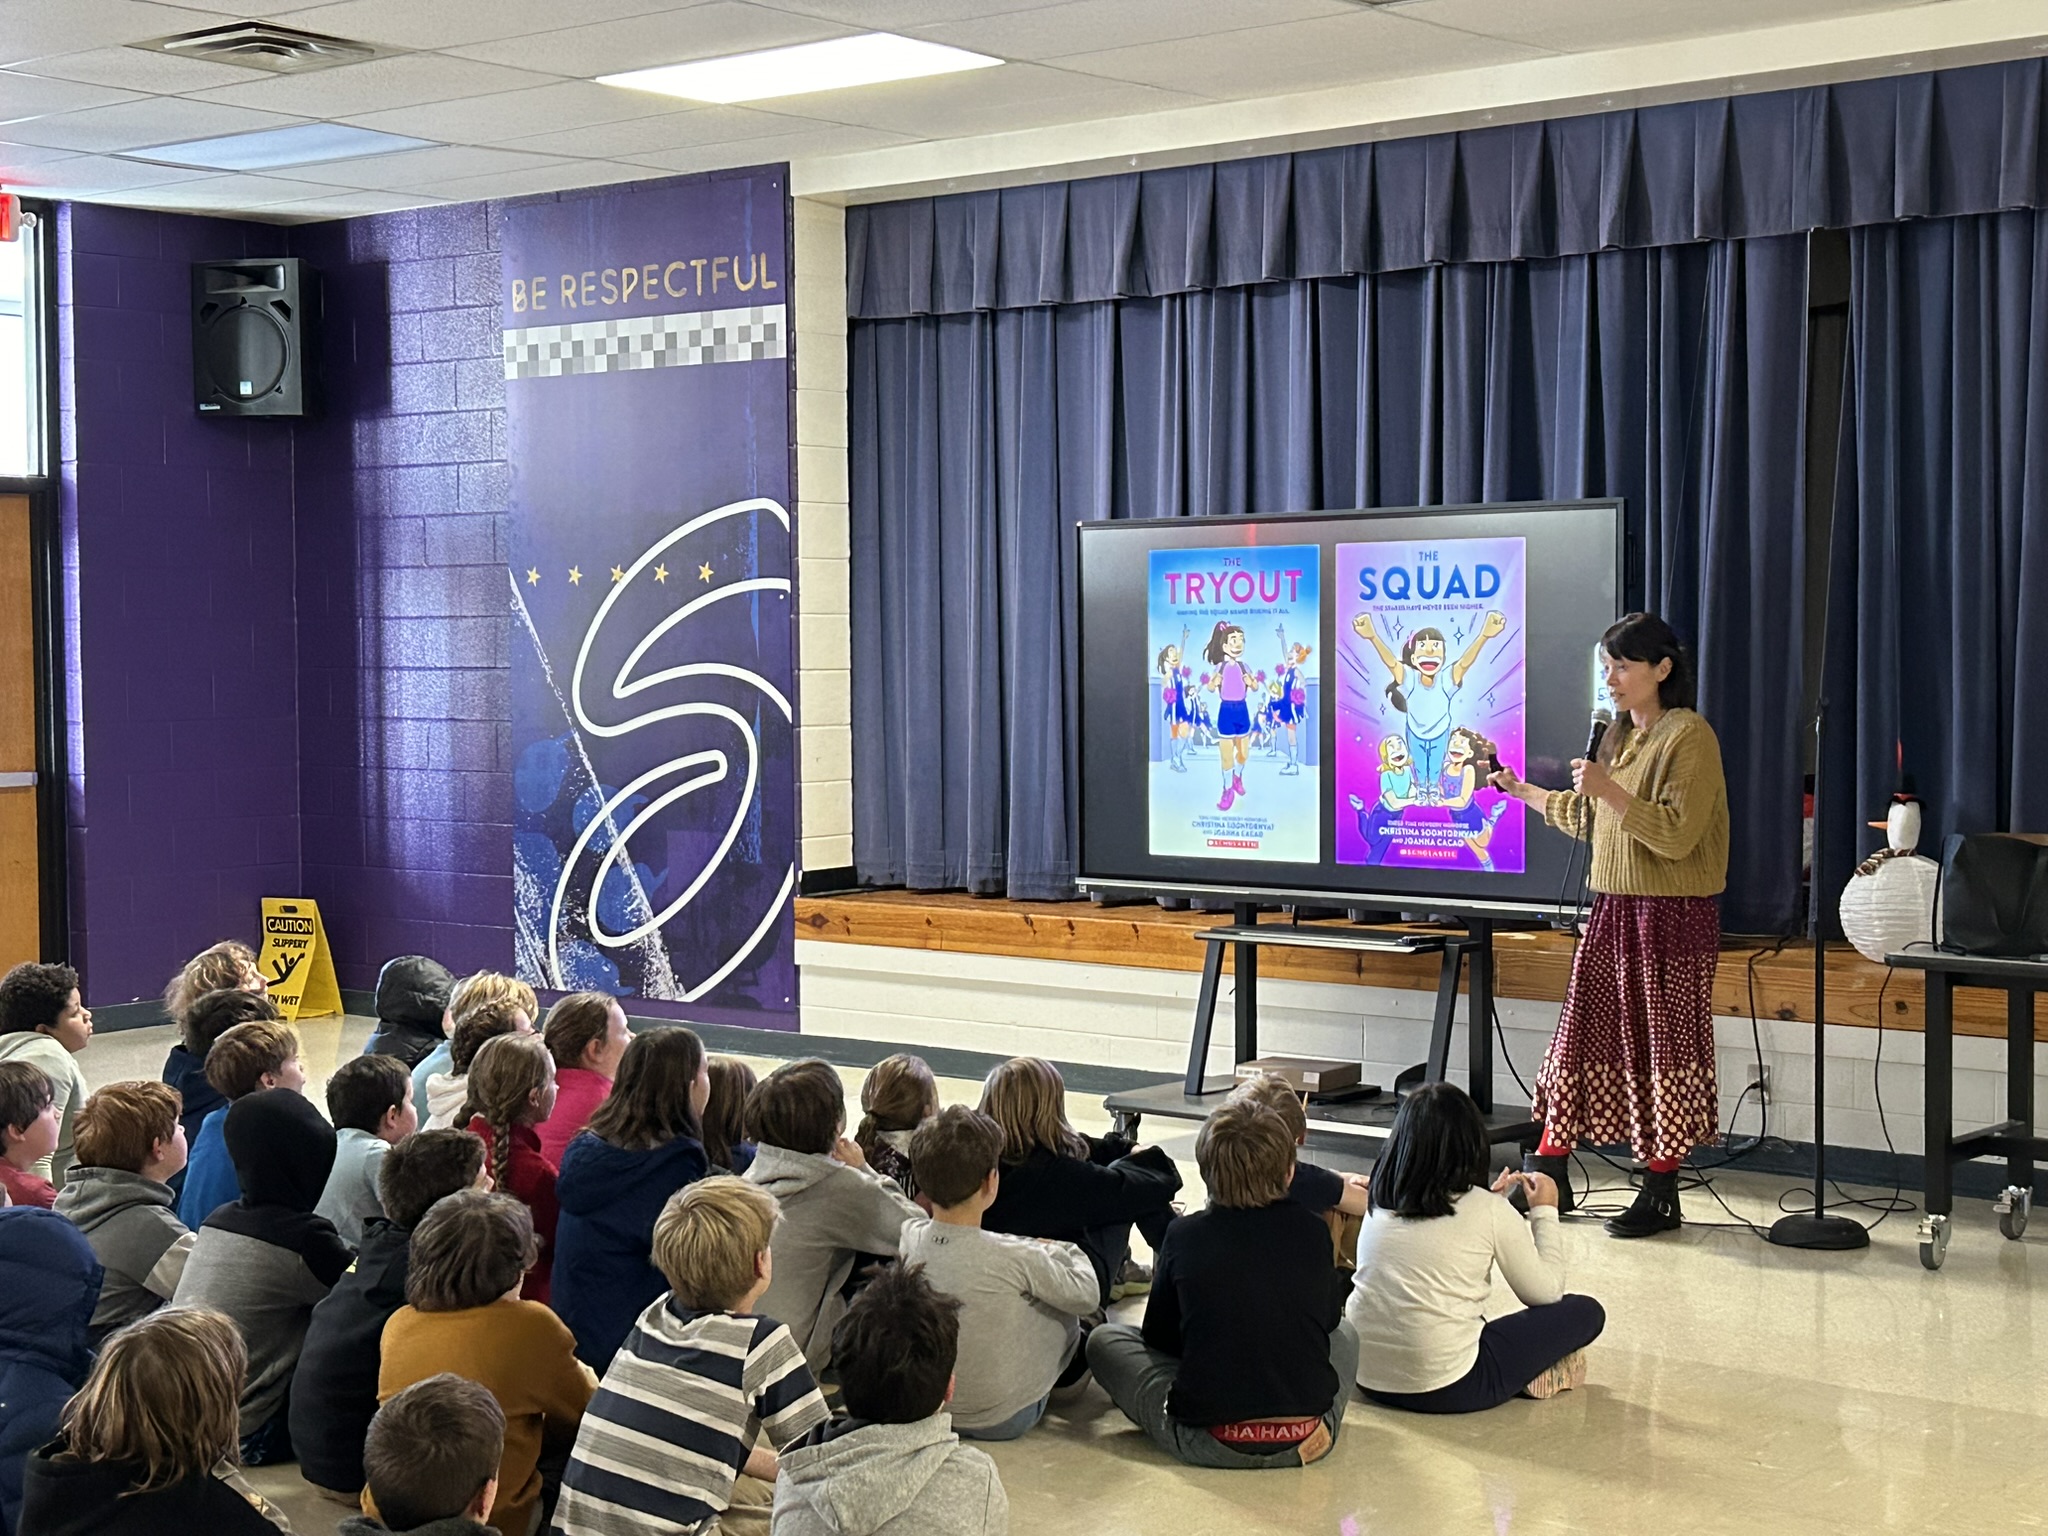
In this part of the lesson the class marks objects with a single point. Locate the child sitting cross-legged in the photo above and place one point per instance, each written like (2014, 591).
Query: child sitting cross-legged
(464, 1314)
(1425, 1271)
(334, 1394)
(369, 1099)
(681, 1435)
(1021, 1299)
(511, 1087)
(1244, 1359)
(432, 1455)
(898, 1096)
(131, 1144)
(892, 1466)
(28, 1129)
(261, 1053)
(834, 1208)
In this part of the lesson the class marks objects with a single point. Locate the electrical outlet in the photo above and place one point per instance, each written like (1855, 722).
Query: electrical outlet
(1760, 1083)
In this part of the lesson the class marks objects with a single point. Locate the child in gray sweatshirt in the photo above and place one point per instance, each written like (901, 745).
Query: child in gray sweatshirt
(131, 1144)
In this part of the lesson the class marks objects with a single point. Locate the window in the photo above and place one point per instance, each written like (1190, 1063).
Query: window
(22, 375)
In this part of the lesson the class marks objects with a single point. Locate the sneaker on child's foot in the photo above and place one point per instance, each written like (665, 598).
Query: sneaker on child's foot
(1562, 1377)
(1133, 1279)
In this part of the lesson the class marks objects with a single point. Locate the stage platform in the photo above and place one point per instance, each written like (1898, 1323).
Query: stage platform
(1531, 965)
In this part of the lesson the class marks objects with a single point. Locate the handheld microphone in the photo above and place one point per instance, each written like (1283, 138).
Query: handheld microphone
(1602, 719)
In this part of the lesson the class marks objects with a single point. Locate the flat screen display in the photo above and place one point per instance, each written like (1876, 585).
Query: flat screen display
(1303, 706)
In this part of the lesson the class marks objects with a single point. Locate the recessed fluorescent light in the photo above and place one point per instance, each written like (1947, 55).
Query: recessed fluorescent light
(308, 144)
(868, 59)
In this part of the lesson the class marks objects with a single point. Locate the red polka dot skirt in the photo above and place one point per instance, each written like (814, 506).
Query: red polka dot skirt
(1633, 1057)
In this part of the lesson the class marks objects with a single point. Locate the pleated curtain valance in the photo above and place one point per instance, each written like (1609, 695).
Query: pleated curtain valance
(1962, 141)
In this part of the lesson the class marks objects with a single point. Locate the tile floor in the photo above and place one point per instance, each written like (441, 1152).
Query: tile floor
(1740, 1389)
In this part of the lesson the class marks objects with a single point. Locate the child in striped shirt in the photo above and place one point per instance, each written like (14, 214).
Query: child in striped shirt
(668, 1447)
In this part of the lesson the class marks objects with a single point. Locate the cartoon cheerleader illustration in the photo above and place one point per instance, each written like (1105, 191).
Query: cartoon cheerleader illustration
(1428, 704)
(1173, 703)
(1459, 785)
(1290, 698)
(1231, 683)
(1398, 791)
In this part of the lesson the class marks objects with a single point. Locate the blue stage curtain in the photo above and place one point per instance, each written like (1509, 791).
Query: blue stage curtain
(1939, 656)
(1671, 377)
(1943, 144)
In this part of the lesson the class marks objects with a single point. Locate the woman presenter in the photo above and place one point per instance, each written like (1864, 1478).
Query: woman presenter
(1633, 1057)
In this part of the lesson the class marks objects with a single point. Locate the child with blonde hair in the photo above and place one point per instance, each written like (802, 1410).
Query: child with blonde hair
(226, 967)
(472, 991)
(1057, 1183)
(511, 1090)
(900, 1094)
(148, 1445)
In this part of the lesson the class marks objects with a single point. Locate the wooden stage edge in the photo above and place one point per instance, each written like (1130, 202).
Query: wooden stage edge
(1531, 965)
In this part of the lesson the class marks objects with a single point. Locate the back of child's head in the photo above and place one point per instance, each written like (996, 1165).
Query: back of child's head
(228, 966)
(122, 1123)
(163, 1396)
(707, 1239)
(34, 997)
(895, 1347)
(244, 1055)
(1027, 1097)
(484, 1019)
(212, 1014)
(25, 1092)
(725, 1111)
(507, 1086)
(575, 1024)
(1436, 1151)
(1278, 1095)
(800, 1107)
(281, 1146)
(953, 1153)
(364, 1089)
(650, 1103)
(431, 1450)
(484, 988)
(426, 1167)
(413, 989)
(1246, 1154)
(469, 1250)
(900, 1094)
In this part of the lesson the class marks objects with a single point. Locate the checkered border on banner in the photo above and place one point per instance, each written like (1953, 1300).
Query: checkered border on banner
(647, 341)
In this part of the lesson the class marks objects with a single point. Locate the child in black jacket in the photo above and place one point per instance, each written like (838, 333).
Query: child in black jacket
(1089, 1191)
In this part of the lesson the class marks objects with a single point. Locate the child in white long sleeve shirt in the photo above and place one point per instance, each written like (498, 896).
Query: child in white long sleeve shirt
(1426, 1258)
(1021, 1299)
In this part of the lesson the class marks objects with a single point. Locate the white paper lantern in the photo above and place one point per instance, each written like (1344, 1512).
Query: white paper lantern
(1889, 901)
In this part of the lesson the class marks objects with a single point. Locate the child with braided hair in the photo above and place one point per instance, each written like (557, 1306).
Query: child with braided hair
(511, 1089)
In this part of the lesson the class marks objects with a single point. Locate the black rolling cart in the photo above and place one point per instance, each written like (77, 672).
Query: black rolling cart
(2012, 1138)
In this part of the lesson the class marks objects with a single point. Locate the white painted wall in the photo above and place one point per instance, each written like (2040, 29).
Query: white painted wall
(1126, 1017)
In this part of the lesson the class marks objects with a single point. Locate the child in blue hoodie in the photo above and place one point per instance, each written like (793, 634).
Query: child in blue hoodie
(49, 1284)
(642, 1145)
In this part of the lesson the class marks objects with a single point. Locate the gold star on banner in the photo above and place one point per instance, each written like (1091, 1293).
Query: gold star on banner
(532, 577)
(575, 576)
(618, 574)
(661, 573)
(704, 571)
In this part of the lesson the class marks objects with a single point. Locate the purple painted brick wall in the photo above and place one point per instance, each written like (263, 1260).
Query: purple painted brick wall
(405, 737)
(181, 642)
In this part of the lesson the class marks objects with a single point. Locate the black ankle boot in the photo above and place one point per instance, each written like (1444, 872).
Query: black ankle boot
(1655, 1210)
(1560, 1170)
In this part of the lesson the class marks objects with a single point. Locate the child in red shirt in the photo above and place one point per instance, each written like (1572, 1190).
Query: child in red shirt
(29, 1125)
(511, 1090)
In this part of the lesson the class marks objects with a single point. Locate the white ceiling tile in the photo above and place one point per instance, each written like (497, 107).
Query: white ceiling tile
(1583, 25)
(90, 176)
(1300, 56)
(31, 29)
(825, 139)
(140, 124)
(137, 69)
(345, 203)
(909, 15)
(670, 130)
(25, 96)
(1081, 26)
(450, 23)
(418, 167)
(16, 157)
(990, 101)
(565, 105)
(554, 178)
(216, 194)
(406, 80)
(695, 32)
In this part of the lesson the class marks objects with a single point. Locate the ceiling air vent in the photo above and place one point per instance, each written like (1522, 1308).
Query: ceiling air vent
(265, 45)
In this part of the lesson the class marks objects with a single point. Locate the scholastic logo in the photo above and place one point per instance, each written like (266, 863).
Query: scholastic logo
(1233, 842)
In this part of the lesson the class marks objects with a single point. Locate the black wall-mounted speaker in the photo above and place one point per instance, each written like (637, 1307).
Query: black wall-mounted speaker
(255, 326)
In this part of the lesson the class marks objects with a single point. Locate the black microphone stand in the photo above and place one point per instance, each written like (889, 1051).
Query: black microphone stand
(1818, 1229)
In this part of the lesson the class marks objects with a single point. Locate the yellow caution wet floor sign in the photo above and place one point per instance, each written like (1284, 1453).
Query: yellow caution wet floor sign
(296, 961)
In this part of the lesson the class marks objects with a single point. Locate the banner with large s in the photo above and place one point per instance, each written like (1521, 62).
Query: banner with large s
(648, 407)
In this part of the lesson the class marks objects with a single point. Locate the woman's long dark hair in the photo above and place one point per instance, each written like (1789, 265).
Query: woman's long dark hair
(1437, 1150)
(649, 1105)
(1645, 637)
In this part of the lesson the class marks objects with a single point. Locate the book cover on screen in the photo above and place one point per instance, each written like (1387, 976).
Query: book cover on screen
(1233, 692)
(1431, 667)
